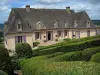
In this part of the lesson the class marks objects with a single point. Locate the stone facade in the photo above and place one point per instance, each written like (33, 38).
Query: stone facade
(48, 35)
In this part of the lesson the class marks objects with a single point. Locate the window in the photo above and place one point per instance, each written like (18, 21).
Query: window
(88, 33)
(37, 35)
(66, 24)
(88, 24)
(19, 27)
(56, 24)
(75, 23)
(59, 33)
(40, 25)
(20, 39)
(66, 32)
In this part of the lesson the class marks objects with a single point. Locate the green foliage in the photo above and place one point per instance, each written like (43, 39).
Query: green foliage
(69, 48)
(96, 58)
(73, 41)
(71, 56)
(15, 63)
(67, 39)
(56, 40)
(5, 62)
(54, 54)
(3, 73)
(88, 53)
(24, 50)
(35, 44)
(37, 66)
(54, 57)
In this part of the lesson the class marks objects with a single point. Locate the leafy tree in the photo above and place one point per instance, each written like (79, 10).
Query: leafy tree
(5, 63)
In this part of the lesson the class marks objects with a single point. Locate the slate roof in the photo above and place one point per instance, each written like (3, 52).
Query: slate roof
(47, 16)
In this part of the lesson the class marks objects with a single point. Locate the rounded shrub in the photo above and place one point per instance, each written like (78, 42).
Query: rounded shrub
(3, 73)
(96, 58)
(23, 50)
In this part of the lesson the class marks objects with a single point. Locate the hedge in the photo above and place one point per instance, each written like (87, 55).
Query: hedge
(71, 56)
(88, 53)
(69, 42)
(69, 48)
(96, 58)
(54, 54)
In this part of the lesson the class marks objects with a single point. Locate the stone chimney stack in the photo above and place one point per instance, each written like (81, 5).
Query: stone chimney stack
(68, 9)
(28, 8)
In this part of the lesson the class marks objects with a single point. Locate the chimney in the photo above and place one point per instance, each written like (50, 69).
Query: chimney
(68, 9)
(28, 8)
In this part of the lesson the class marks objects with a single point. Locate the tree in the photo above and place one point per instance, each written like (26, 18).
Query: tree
(5, 62)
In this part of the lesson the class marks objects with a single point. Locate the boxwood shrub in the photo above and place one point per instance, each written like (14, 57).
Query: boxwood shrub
(55, 54)
(71, 56)
(96, 58)
(88, 53)
(23, 50)
(70, 48)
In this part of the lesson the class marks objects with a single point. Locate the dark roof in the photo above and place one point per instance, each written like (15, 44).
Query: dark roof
(48, 16)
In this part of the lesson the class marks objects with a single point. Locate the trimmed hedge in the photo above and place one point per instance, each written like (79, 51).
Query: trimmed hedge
(54, 54)
(24, 50)
(69, 42)
(88, 53)
(69, 48)
(71, 56)
(78, 55)
(96, 58)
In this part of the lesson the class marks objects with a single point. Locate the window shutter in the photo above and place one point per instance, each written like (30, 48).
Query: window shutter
(24, 39)
(16, 39)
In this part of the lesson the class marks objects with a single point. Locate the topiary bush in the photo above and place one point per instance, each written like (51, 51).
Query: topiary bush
(3, 73)
(24, 50)
(96, 58)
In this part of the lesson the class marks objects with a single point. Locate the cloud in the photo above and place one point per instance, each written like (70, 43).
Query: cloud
(49, 1)
(94, 1)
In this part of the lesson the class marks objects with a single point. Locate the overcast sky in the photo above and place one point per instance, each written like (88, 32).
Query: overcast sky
(92, 7)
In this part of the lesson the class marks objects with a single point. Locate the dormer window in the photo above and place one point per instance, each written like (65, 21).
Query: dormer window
(56, 24)
(66, 24)
(88, 24)
(19, 27)
(40, 25)
(75, 23)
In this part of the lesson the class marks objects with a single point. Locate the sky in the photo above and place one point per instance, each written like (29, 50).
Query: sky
(92, 7)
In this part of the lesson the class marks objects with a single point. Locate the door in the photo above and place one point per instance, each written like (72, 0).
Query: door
(49, 35)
